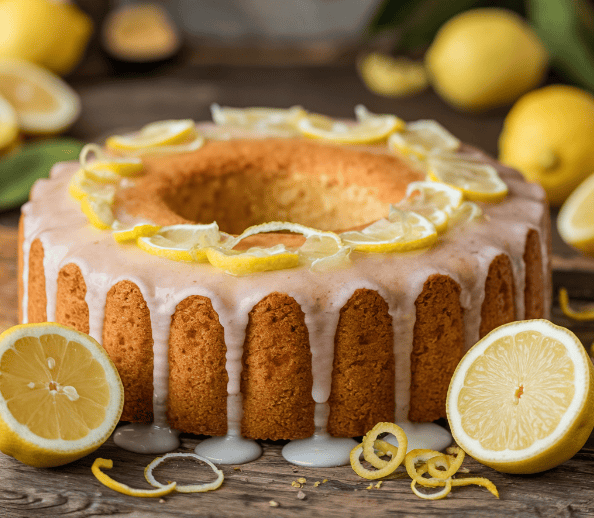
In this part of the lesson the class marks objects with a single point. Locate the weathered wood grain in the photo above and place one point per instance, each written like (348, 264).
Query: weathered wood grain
(567, 491)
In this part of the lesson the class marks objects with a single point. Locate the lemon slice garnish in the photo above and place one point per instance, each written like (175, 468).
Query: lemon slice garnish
(43, 102)
(585, 315)
(522, 398)
(161, 133)
(60, 394)
(392, 77)
(423, 138)
(183, 242)
(576, 218)
(282, 122)
(81, 185)
(98, 211)
(194, 488)
(477, 180)
(106, 480)
(186, 147)
(9, 125)
(122, 235)
(468, 211)
(369, 128)
(404, 231)
(252, 260)
(106, 168)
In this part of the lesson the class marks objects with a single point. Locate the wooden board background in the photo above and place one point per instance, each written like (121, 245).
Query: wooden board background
(72, 490)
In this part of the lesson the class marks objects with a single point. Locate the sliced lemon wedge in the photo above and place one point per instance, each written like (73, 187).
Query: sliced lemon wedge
(106, 168)
(60, 394)
(9, 125)
(522, 398)
(403, 232)
(423, 138)
(43, 102)
(156, 134)
(183, 242)
(369, 128)
(576, 218)
(477, 180)
(276, 121)
(392, 77)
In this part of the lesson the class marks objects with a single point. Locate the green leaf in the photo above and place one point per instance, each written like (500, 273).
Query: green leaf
(20, 170)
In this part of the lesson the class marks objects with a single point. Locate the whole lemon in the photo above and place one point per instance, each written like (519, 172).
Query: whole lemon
(547, 136)
(485, 58)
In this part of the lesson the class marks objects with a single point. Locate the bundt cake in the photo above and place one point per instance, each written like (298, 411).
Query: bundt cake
(376, 339)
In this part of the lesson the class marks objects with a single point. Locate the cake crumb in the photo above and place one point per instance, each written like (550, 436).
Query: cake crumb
(161, 500)
(295, 484)
(295, 469)
(302, 480)
(317, 483)
(301, 495)
(272, 503)
(236, 468)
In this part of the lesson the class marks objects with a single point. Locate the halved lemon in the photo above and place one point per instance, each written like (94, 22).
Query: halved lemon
(43, 102)
(423, 138)
(160, 133)
(369, 128)
(392, 77)
(60, 394)
(576, 218)
(183, 242)
(404, 231)
(268, 120)
(477, 180)
(9, 125)
(522, 398)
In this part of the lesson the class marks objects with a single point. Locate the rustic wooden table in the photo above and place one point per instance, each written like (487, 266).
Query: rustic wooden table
(187, 90)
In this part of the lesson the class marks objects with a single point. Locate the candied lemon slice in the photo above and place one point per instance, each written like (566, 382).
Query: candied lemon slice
(252, 260)
(161, 133)
(106, 168)
(9, 125)
(522, 398)
(194, 488)
(183, 242)
(584, 315)
(98, 211)
(477, 180)
(43, 102)
(60, 394)
(576, 217)
(106, 480)
(392, 77)
(369, 128)
(266, 120)
(404, 231)
(81, 185)
(122, 235)
(423, 138)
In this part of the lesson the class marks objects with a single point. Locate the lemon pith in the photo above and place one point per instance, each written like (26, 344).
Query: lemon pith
(60, 394)
(522, 399)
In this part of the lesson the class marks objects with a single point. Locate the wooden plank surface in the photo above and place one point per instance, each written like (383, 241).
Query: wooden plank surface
(247, 491)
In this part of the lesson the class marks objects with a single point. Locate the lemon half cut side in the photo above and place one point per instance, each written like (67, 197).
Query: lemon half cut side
(60, 394)
(522, 399)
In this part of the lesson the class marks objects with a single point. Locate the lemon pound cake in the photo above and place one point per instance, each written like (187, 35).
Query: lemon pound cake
(277, 274)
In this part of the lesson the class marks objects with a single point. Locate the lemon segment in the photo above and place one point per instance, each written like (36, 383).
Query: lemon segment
(98, 212)
(522, 398)
(273, 121)
(183, 242)
(60, 394)
(132, 234)
(392, 77)
(405, 231)
(156, 134)
(478, 181)
(252, 260)
(370, 128)
(423, 138)
(9, 125)
(576, 217)
(43, 102)
(109, 482)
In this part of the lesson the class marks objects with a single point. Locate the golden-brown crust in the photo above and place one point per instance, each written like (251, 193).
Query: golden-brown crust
(363, 373)
(498, 306)
(21, 264)
(534, 287)
(197, 376)
(276, 380)
(438, 345)
(36, 295)
(71, 307)
(127, 338)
